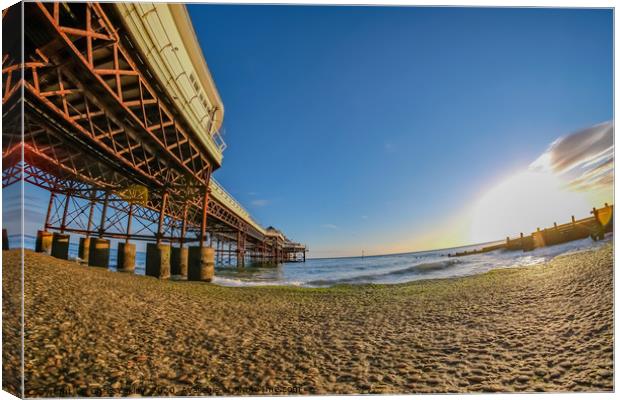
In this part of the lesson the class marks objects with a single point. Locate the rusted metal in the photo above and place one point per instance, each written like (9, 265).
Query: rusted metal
(162, 213)
(103, 214)
(95, 125)
(49, 210)
(63, 224)
(129, 218)
(203, 222)
(183, 227)
(91, 210)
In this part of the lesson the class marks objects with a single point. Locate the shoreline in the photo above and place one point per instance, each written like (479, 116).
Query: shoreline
(499, 267)
(90, 332)
(302, 285)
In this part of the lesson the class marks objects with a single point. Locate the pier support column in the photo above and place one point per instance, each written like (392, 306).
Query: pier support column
(126, 257)
(158, 260)
(240, 249)
(5, 240)
(99, 252)
(43, 243)
(179, 255)
(84, 248)
(178, 261)
(60, 246)
(201, 264)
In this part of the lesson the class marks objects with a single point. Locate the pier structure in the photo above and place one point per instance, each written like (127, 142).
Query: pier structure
(121, 124)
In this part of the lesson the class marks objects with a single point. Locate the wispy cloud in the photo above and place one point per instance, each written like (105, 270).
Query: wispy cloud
(364, 216)
(584, 159)
(330, 226)
(259, 202)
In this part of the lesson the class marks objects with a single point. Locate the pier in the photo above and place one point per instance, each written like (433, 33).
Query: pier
(122, 127)
(595, 227)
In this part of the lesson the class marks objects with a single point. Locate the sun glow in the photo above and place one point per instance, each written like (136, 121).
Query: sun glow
(522, 203)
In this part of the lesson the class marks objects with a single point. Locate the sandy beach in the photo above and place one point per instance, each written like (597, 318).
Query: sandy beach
(94, 332)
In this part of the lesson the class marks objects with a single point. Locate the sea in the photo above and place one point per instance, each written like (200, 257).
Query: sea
(384, 269)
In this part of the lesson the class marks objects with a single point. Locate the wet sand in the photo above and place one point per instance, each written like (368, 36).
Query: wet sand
(96, 332)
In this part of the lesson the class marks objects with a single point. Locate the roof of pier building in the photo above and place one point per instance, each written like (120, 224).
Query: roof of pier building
(164, 35)
(273, 232)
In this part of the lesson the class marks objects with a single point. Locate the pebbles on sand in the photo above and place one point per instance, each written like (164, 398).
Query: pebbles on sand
(93, 332)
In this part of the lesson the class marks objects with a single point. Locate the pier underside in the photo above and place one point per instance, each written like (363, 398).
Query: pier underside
(102, 136)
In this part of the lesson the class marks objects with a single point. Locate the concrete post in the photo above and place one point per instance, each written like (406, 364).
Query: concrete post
(84, 248)
(43, 243)
(158, 260)
(178, 261)
(126, 257)
(240, 249)
(99, 252)
(5, 240)
(60, 246)
(201, 264)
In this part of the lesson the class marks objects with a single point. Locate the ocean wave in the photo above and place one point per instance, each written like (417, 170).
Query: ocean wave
(221, 281)
(417, 269)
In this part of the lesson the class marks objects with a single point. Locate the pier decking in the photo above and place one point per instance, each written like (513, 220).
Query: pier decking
(595, 227)
(122, 127)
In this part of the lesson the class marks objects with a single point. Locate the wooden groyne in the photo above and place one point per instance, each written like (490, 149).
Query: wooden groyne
(594, 227)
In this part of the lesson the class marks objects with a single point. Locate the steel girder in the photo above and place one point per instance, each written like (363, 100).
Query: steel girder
(93, 123)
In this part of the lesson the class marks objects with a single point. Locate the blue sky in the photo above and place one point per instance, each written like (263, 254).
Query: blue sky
(357, 128)
(393, 129)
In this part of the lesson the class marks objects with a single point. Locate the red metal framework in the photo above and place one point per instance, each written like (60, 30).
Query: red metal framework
(95, 126)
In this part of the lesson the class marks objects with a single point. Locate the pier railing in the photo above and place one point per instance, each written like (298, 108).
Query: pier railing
(222, 195)
(171, 58)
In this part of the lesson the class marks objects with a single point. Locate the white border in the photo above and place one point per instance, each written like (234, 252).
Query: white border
(475, 3)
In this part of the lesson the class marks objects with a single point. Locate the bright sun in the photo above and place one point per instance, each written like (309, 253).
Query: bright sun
(522, 203)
